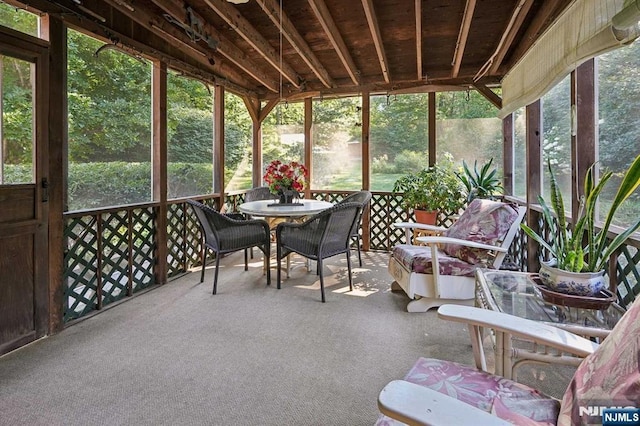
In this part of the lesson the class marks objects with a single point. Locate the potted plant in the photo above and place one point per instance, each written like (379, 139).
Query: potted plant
(433, 189)
(483, 183)
(580, 255)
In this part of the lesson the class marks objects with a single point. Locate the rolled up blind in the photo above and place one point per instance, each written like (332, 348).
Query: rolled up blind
(587, 28)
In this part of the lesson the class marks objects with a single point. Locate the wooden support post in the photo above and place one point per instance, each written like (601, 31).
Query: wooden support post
(534, 176)
(366, 173)
(55, 32)
(507, 154)
(584, 130)
(253, 107)
(159, 166)
(432, 129)
(218, 143)
(308, 142)
(256, 156)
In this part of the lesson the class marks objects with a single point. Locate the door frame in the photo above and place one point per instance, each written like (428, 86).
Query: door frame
(32, 49)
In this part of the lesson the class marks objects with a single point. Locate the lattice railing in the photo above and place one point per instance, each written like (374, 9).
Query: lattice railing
(109, 255)
(183, 238)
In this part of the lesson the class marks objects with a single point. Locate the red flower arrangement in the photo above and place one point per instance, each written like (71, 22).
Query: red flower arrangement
(281, 176)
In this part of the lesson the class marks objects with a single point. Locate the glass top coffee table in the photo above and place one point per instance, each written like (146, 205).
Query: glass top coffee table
(515, 293)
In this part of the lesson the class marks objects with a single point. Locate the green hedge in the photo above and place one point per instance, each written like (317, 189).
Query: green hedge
(95, 185)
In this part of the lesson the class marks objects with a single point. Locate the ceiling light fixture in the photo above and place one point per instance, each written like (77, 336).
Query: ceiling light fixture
(238, 1)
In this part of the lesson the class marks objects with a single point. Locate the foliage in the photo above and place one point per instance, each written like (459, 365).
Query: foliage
(285, 119)
(109, 103)
(96, 185)
(192, 139)
(18, 19)
(281, 176)
(409, 160)
(93, 185)
(398, 124)
(586, 249)
(237, 132)
(433, 188)
(17, 111)
(483, 183)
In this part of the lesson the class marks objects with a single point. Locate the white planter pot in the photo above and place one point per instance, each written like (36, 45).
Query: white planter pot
(577, 283)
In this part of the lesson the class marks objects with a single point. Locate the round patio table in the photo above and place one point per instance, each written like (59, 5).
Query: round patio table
(289, 212)
(266, 208)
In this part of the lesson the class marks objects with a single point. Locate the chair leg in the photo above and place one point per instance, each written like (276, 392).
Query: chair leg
(321, 279)
(246, 260)
(278, 263)
(203, 256)
(358, 247)
(267, 255)
(349, 269)
(215, 278)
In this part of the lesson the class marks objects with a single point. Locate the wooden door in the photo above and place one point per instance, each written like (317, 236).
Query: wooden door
(23, 194)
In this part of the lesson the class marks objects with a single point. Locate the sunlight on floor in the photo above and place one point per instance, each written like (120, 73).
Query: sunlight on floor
(357, 291)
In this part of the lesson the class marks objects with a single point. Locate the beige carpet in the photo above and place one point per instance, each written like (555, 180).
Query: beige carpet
(250, 355)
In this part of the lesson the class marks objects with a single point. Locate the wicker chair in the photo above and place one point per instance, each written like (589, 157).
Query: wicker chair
(323, 235)
(362, 197)
(258, 193)
(222, 234)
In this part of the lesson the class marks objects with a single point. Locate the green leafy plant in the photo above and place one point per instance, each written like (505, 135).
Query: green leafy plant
(433, 188)
(585, 248)
(482, 183)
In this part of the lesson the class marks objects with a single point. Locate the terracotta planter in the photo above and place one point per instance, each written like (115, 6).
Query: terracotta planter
(426, 217)
(576, 283)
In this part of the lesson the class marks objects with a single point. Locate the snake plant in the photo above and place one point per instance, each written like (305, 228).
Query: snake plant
(586, 248)
(480, 183)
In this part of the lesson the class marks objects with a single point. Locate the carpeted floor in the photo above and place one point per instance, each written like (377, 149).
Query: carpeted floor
(250, 355)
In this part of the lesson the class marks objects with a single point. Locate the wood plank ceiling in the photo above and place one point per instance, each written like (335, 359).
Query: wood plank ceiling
(273, 49)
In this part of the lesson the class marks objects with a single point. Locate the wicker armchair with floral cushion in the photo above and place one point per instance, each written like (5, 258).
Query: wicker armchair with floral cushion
(222, 235)
(443, 271)
(362, 197)
(321, 236)
(442, 392)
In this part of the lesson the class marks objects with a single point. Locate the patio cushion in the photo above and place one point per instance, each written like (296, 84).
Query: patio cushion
(509, 400)
(418, 259)
(608, 377)
(483, 221)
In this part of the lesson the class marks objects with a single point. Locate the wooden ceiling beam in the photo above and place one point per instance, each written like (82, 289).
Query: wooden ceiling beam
(510, 35)
(244, 28)
(267, 109)
(177, 38)
(463, 35)
(331, 30)
(105, 32)
(372, 19)
(419, 37)
(253, 107)
(548, 11)
(489, 94)
(286, 27)
(178, 10)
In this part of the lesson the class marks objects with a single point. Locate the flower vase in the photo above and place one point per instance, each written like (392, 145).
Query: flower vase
(286, 196)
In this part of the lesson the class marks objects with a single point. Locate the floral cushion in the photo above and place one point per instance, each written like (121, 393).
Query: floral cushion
(608, 377)
(506, 399)
(418, 259)
(483, 221)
